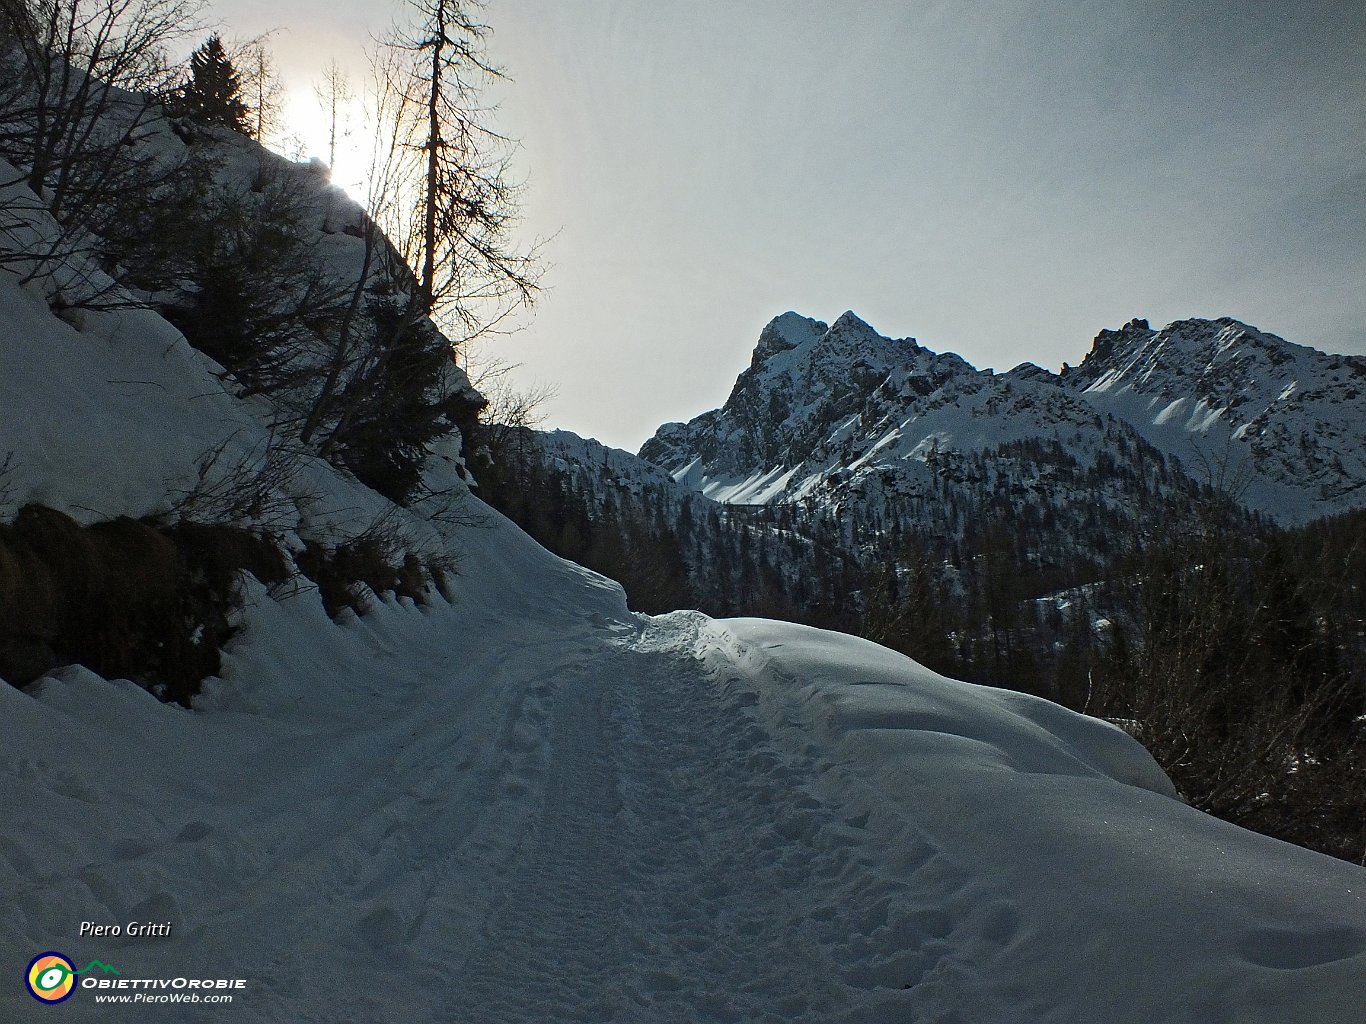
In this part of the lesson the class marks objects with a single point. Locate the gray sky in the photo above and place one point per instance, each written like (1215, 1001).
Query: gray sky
(1000, 179)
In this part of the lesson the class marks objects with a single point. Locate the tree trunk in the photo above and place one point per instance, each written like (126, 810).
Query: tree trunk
(433, 158)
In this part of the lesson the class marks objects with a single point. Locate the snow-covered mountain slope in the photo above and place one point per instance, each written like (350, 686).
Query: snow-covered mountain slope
(840, 415)
(117, 415)
(1282, 423)
(587, 462)
(886, 430)
(124, 418)
(821, 401)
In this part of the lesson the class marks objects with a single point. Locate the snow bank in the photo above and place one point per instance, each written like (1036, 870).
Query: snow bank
(1070, 884)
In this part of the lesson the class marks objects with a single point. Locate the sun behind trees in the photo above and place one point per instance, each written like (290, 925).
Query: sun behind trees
(160, 201)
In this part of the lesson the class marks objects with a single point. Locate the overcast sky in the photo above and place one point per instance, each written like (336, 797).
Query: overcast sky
(999, 178)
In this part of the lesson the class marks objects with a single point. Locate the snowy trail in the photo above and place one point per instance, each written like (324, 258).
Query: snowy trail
(684, 868)
(530, 805)
(670, 875)
(593, 832)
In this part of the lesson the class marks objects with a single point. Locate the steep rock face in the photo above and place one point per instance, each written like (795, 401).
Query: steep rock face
(1279, 423)
(795, 413)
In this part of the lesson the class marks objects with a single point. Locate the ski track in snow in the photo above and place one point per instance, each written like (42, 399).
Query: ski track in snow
(670, 875)
(683, 869)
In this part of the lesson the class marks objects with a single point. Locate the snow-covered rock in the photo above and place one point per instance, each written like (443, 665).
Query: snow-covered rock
(843, 416)
(1282, 425)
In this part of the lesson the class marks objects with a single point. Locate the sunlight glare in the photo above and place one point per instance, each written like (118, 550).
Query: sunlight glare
(303, 135)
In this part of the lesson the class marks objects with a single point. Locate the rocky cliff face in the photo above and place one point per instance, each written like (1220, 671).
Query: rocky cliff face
(892, 435)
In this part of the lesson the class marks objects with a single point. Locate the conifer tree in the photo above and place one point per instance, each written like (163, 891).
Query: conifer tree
(213, 94)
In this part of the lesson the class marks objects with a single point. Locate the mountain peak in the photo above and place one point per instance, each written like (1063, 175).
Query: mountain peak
(849, 320)
(852, 326)
(1210, 390)
(1164, 358)
(785, 332)
(850, 337)
(819, 402)
(1031, 371)
(1108, 341)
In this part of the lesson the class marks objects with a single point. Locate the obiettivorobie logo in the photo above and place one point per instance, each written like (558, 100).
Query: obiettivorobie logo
(52, 978)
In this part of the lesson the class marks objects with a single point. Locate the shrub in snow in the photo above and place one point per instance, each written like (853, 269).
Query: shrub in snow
(374, 562)
(124, 598)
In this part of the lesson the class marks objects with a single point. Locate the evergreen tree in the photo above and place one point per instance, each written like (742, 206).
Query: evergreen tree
(213, 95)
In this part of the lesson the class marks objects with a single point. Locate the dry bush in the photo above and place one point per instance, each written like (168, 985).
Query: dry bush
(218, 552)
(255, 486)
(341, 571)
(30, 611)
(381, 560)
(124, 598)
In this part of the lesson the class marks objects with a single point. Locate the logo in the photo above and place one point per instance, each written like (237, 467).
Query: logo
(51, 978)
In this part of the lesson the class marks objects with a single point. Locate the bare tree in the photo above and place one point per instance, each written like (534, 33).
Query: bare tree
(261, 85)
(7, 465)
(451, 201)
(72, 65)
(256, 485)
(500, 445)
(436, 253)
(334, 94)
(80, 83)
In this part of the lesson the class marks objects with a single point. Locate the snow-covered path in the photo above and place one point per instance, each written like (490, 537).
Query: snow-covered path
(531, 805)
(672, 871)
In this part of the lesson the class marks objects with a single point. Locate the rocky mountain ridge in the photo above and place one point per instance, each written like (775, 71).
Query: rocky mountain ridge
(841, 415)
(1283, 424)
